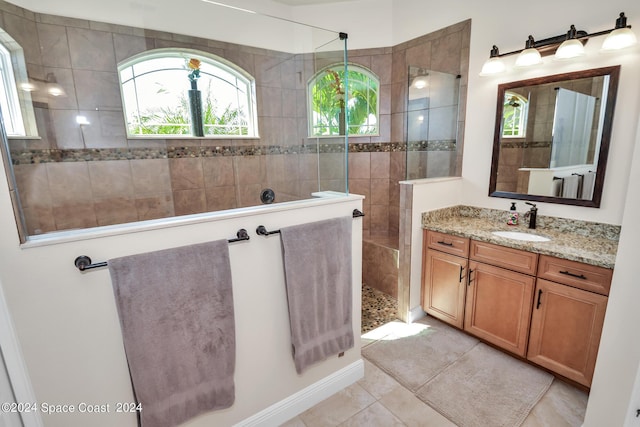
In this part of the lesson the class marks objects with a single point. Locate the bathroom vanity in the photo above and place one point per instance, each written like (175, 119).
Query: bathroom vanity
(540, 300)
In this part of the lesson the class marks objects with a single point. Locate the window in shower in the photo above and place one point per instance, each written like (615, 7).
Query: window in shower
(330, 108)
(185, 92)
(15, 90)
(514, 113)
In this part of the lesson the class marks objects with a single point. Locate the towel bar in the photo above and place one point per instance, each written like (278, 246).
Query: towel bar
(262, 231)
(83, 262)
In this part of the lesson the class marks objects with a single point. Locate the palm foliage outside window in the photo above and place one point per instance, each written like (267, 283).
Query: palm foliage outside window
(333, 96)
(155, 87)
(514, 113)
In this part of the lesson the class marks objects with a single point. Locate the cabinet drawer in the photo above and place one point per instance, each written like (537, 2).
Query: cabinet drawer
(448, 243)
(501, 256)
(572, 273)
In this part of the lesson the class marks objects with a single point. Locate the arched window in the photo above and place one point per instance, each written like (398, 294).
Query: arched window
(515, 111)
(328, 106)
(155, 93)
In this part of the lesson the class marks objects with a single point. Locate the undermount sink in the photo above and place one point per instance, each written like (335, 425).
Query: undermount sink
(518, 235)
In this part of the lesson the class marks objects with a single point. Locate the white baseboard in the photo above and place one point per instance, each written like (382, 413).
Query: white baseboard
(281, 412)
(416, 313)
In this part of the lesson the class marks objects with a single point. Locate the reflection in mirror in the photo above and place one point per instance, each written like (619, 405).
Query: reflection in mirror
(552, 137)
(432, 122)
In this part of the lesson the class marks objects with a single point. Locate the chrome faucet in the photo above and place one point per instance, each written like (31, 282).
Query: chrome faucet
(532, 215)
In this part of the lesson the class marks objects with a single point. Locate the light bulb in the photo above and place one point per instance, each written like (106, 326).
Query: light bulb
(529, 57)
(570, 49)
(493, 66)
(619, 39)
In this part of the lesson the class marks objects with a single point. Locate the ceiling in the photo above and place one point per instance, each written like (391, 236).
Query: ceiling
(308, 2)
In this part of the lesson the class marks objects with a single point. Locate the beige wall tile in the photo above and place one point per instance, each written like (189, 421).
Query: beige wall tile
(220, 198)
(64, 77)
(250, 169)
(218, 171)
(153, 207)
(127, 46)
(54, 47)
(25, 33)
(116, 210)
(75, 215)
(189, 201)
(97, 90)
(379, 219)
(91, 50)
(39, 220)
(249, 195)
(151, 177)
(186, 174)
(66, 130)
(380, 192)
(380, 165)
(69, 184)
(32, 182)
(106, 129)
(359, 165)
(111, 179)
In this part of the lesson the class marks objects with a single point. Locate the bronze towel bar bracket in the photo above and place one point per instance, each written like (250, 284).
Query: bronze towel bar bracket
(83, 262)
(262, 230)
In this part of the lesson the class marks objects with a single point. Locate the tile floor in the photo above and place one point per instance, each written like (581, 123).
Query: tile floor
(378, 400)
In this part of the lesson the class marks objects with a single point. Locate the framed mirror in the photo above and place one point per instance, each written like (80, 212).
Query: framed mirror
(552, 137)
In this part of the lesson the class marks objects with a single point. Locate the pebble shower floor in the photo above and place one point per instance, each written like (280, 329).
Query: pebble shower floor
(378, 308)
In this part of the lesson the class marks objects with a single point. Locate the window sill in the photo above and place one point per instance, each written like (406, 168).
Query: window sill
(25, 137)
(141, 137)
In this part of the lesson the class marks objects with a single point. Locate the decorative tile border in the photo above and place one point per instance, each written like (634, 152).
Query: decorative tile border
(25, 157)
(525, 144)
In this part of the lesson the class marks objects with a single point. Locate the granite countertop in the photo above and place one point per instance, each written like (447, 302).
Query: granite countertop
(587, 242)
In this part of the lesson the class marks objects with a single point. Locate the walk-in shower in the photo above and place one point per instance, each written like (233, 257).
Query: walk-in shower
(93, 160)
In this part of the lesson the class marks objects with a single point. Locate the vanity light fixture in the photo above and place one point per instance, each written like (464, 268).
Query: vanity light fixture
(621, 36)
(571, 47)
(565, 46)
(493, 65)
(530, 55)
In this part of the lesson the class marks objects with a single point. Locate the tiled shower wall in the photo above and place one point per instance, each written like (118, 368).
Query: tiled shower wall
(83, 176)
(378, 164)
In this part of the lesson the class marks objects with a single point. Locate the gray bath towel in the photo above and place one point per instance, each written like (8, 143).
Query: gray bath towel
(317, 264)
(177, 320)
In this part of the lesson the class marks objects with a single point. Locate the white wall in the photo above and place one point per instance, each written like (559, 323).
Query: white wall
(619, 355)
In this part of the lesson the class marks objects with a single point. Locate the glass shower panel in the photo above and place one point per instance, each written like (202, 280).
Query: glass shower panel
(330, 61)
(432, 123)
(86, 171)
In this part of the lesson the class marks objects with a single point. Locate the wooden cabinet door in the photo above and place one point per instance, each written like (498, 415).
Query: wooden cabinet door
(499, 305)
(565, 330)
(443, 286)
